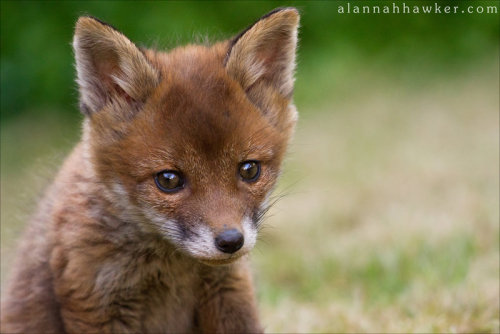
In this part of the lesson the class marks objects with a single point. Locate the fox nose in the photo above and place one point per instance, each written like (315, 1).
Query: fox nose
(229, 241)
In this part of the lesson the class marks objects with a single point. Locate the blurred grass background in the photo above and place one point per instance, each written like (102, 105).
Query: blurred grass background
(390, 221)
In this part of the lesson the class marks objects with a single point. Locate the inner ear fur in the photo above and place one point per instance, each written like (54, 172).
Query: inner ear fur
(263, 56)
(109, 66)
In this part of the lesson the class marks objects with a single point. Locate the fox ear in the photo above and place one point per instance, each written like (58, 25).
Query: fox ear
(263, 56)
(109, 66)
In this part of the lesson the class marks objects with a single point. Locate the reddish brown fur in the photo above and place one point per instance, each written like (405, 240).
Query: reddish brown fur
(93, 260)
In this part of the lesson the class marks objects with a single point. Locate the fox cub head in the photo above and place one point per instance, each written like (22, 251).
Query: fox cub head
(188, 144)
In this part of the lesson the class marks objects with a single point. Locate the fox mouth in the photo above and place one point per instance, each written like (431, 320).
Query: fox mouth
(220, 262)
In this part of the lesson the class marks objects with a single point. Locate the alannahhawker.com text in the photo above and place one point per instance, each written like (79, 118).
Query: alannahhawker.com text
(403, 8)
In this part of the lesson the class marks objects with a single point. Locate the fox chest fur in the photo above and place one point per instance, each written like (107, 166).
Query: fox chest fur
(148, 225)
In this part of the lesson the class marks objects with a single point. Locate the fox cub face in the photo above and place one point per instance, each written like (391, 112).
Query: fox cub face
(188, 144)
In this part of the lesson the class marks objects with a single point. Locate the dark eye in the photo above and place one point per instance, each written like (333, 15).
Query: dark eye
(249, 170)
(169, 181)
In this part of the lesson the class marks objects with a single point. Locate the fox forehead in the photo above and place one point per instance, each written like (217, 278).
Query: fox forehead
(197, 109)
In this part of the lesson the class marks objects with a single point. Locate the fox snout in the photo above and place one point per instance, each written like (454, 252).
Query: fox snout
(220, 245)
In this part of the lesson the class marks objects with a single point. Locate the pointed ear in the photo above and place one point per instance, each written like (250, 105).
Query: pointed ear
(109, 66)
(264, 54)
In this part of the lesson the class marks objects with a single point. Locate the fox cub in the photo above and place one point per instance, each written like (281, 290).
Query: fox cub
(147, 225)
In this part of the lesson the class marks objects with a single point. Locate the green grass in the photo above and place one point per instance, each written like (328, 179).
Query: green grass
(391, 218)
(383, 275)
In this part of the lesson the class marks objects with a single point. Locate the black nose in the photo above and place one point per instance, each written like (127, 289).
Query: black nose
(229, 241)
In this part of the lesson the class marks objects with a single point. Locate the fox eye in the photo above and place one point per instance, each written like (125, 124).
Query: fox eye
(169, 181)
(249, 170)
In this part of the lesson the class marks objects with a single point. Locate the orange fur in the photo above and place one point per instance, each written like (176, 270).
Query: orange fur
(108, 252)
